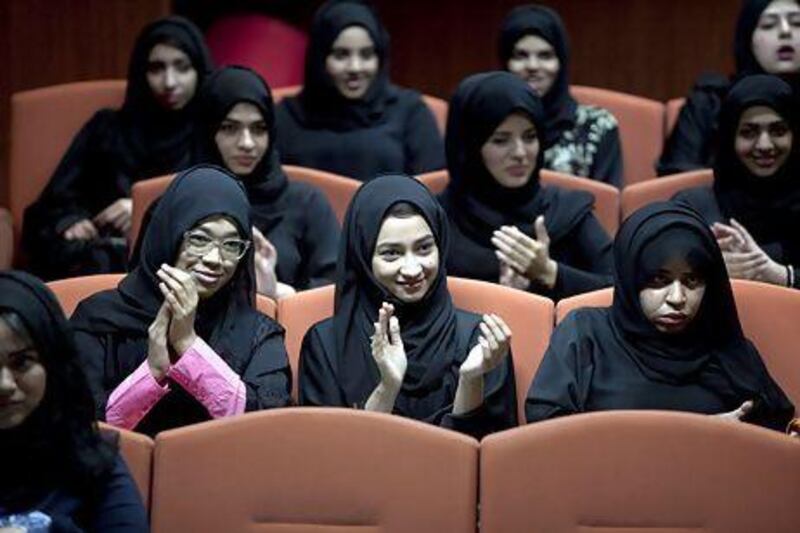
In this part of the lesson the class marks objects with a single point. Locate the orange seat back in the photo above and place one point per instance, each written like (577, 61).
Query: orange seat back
(137, 450)
(72, 291)
(606, 197)
(43, 123)
(339, 190)
(639, 195)
(673, 110)
(641, 127)
(6, 239)
(638, 471)
(769, 318)
(143, 194)
(313, 470)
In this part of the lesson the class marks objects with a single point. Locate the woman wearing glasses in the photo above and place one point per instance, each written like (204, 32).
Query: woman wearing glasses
(179, 340)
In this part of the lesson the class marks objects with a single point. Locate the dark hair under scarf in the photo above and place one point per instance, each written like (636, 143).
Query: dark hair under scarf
(749, 14)
(58, 445)
(223, 89)
(428, 327)
(713, 350)
(227, 319)
(559, 105)
(769, 207)
(320, 104)
(160, 138)
(475, 200)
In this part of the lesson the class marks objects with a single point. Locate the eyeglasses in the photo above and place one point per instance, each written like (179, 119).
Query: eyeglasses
(199, 244)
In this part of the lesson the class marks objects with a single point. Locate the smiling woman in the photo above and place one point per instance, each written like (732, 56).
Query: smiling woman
(180, 341)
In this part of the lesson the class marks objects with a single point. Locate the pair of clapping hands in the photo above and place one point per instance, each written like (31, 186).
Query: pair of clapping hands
(524, 259)
(744, 258)
(390, 355)
(117, 216)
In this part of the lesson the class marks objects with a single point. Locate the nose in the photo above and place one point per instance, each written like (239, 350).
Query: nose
(764, 141)
(213, 256)
(411, 268)
(785, 28)
(676, 295)
(7, 382)
(246, 140)
(170, 80)
(355, 64)
(518, 149)
(533, 62)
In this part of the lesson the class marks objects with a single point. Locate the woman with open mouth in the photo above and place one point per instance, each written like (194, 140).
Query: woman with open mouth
(79, 224)
(754, 204)
(396, 343)
(583, 140)
(180, 341)
(767, 41)
(349, 118)
(506, 227)
(671, 339)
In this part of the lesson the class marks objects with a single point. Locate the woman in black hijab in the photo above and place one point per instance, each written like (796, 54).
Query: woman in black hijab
(496, 138)
(583, 140)
(767, 41)
(754, 204)
(175, 345)
(80, 222)
(349, 118)
(670, 340)
(293, 220)
(395, 342)
(58, 473)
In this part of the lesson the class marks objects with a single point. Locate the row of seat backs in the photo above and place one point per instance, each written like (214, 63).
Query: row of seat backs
(44, 122)
(316, 469)
(768, 314)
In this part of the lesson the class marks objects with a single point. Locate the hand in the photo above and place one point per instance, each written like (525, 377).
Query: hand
(744, 258)
(794, 428)
(180, 295)
(117, 215)
(387, 348)
(282, 290)
(82, 230)
(528, 257)
(491, 349)
(510, 278)
(266, 257)
(157, 353)
(737, 414)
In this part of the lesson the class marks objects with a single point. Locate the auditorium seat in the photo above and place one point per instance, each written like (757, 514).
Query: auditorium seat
(639, 195)
(43, 124)
(137, 450)
(606, 197)
(768, 314)
(6, 239)
(314, 470)
(437, 106)
(528, 315)
(339, 190)
(641, 127)
(637, 472)
(143, 194)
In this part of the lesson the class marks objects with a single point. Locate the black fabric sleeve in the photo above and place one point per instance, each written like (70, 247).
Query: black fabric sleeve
(120, 507)
(321, 241)
(423, 143)
(268, 376)
(591, 259)
(608, 164)
(316, 377)
(93, 351)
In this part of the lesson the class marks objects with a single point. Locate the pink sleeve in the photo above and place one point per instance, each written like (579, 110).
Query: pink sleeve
(204, 375)
(133, 398)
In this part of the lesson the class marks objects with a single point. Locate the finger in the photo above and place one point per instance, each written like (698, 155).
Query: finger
(741, 229)
(541, 230)
(394, 332)
(744, 409)
(513, 263)
(518, 254)
(516, 238)
(496, 332)
(502, 324)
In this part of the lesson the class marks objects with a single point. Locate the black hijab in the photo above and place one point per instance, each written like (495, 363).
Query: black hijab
(223, 89)
(57, 446)
(160, 139)
(559, 105)
(713, 349)
(227, 319)
(476, 202)
(320, 104)
(428, 327)
(769, 207)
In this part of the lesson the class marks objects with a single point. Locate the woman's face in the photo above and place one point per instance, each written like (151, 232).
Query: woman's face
(171, 76)
(776, 39)
(406, 257)
(242, 138)
(511, 151)
(535, 61)
(672, 298)
(23, 378)
(210, 252)
(763, 141)
(352, 62)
